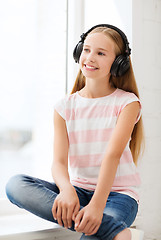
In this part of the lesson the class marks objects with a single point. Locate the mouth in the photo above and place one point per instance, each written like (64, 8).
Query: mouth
(90, 67)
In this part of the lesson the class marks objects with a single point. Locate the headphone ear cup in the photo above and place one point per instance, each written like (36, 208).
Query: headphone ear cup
(77, 51)
(120, 66)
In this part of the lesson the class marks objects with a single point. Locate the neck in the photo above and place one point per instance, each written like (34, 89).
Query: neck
(94, 90)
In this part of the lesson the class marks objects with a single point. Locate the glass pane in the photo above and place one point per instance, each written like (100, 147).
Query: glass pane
(32, 79)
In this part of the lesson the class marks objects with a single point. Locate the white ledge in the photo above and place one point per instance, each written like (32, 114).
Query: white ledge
(28, 226)
(23, 223)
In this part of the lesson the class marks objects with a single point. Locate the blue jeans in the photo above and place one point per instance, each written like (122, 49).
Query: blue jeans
(37, 196)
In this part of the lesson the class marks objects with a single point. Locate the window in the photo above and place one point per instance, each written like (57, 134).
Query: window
(32, 79)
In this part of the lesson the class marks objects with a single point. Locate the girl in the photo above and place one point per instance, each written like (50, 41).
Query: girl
(99, 128)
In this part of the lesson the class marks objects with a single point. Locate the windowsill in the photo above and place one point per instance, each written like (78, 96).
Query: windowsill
(18, 224)
(22, 223)
(29, 227)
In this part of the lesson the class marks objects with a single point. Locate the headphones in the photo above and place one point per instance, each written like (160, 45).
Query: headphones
(121, 63)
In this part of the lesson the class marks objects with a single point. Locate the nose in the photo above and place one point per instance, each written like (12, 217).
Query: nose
(91, 57)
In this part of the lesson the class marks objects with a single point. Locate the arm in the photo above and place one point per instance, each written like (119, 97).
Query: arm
(60, 161)
(66, 204)
(120, 137)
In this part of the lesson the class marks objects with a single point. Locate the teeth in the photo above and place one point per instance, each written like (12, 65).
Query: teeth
(90, 67)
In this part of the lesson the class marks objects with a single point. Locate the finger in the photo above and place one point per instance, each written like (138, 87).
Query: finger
(69, 217)
(64, 217)
(92, 230)
(85, 228)
(75, 212)
(78, 219)
(82, 223)
(88, 228)
(59, 216)
(54, 210)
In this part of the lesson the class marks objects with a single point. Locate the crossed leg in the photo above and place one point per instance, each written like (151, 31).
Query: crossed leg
(37, 196)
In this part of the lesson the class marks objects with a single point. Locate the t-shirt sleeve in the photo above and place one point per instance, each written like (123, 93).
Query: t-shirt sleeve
(127, 99)
(60, 107)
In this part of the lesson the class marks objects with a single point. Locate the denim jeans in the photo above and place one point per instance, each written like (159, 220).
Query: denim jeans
(37, 196)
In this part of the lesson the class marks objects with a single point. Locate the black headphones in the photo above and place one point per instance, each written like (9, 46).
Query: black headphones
(121, 63)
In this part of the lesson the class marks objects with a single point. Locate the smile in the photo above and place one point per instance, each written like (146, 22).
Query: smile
(90, 67)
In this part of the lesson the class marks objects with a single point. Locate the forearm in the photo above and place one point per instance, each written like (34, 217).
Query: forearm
(105, 180)
(66, 205)
(60, 175)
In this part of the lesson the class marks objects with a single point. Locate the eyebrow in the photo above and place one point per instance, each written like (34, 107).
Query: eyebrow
(102, 49)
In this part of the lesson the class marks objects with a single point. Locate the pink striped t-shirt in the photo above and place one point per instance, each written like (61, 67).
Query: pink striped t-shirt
(90, 123)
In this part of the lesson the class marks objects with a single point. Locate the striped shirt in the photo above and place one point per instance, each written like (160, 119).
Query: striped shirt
(90, 123)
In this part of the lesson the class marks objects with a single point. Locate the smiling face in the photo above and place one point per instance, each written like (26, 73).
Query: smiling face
(97, 56)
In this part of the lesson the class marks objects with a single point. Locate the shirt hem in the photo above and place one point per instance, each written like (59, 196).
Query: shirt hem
(134, 196)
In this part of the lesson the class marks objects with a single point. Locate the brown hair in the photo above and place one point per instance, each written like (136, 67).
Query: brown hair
(126, 82)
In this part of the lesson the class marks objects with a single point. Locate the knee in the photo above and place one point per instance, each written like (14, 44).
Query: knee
(13, 186)
(125, 234)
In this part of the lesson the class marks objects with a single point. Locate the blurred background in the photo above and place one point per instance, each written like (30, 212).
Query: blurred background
(37, 38)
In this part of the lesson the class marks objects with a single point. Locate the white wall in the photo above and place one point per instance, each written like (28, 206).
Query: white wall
(147, 63)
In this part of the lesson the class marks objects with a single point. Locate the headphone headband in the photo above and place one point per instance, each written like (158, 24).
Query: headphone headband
(122, 34)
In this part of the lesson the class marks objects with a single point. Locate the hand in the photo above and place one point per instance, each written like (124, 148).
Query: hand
(89, 219)
(66, 206)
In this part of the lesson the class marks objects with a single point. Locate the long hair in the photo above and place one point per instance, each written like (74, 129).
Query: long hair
(126, 82)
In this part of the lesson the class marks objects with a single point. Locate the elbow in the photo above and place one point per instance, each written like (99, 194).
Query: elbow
(113, 156)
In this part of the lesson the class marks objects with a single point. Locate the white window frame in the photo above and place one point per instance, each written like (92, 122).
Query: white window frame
(74, 24)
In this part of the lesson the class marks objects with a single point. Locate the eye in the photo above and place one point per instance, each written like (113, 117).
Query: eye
(101, 54)
(86, 50)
